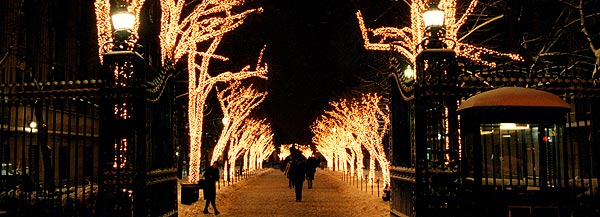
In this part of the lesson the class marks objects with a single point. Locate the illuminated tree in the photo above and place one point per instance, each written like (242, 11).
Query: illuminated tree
(358, 120)
(306, 150)
(262, 148)
(332, 141)
(407, 39)
(241, 144)
(284, 151)
(237, 102)
(195, 35)
(205, 25)
(262, 153)
(369, 125)
(325, 139)
(251, 133)
(254, 133)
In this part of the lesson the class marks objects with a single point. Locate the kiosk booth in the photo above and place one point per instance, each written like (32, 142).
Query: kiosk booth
(516, 160)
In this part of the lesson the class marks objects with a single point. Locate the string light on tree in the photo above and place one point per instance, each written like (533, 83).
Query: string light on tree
(237, 102)
(306, 150)
(361, 117)
(254, 133)
(284, 151)
(203, 27)
(407, 39)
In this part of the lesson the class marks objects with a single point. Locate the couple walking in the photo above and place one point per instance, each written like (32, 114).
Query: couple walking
(297, 170)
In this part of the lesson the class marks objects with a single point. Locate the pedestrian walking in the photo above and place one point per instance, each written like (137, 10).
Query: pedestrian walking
(298, 174)
(311, 169)
(211, 176)
(286, 172)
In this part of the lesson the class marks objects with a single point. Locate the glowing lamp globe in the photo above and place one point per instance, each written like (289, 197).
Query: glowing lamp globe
(123, 22)
(433, 17)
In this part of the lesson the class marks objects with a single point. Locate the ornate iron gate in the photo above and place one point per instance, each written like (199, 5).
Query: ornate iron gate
(138, 163)
(90, 148)
(426, 147)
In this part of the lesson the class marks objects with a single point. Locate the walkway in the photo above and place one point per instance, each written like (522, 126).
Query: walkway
(268, 195)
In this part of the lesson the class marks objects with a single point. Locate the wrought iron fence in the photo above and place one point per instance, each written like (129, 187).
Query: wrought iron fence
(49, 148)
(53, 159)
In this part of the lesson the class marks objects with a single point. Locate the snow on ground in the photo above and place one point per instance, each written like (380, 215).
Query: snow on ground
(268, 194)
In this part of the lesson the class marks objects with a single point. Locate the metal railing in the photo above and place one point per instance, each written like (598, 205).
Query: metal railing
(48, 148)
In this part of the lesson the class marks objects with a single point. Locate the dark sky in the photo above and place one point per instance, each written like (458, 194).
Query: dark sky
(313, 49)
(314, 52)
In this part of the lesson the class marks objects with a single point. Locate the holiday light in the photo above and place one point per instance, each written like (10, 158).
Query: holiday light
(262, 148)
(325, 139)
(352, 123)
(103, 22)
(246, 134)
(121, 146)
(284, 151)
(208, 22)
(263, 153)
(306, 150)
(407, 39)
(255, 138)
(237, 102)
(204, 26)
(121, 153)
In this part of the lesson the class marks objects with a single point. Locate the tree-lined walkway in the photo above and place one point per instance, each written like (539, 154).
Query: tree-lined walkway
(269, 195)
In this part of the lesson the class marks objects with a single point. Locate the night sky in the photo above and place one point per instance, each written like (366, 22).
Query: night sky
(313, 49)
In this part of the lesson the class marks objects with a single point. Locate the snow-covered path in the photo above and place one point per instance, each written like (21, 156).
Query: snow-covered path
(268, 195)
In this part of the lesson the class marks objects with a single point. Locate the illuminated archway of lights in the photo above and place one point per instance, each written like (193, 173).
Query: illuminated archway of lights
(407, 39)
(350, 125)
(237, 102)
(204, 26)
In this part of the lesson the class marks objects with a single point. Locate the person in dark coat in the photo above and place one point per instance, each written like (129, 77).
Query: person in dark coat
(286, 172)
(211, 176)
(311, 169)
(298, 174)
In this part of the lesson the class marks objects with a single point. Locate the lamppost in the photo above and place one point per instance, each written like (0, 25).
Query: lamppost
(424, 128)
(123, 22)
(435, 32)
(435, 127)
(122, 137)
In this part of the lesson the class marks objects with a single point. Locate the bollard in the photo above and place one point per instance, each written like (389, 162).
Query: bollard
(386, 193)
(377, 187)
(366, 182)
(361, 185)
(371, 188)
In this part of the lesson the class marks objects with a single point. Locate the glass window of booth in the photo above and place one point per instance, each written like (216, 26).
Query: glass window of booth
(521, 155)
